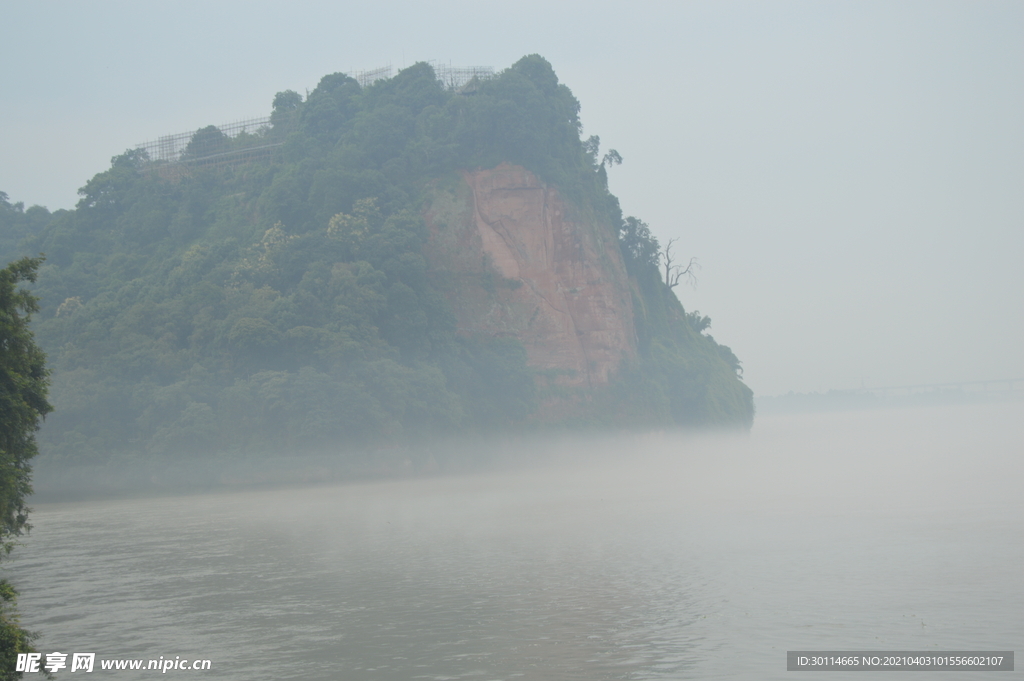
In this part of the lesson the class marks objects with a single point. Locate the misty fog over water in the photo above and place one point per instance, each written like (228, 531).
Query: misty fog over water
(664, 556)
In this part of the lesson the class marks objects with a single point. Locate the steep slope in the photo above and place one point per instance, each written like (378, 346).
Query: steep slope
(528, 271)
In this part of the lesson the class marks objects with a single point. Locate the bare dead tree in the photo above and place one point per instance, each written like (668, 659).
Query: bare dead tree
(674, 273)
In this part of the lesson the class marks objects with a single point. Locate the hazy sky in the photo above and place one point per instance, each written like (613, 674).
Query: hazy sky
(851, 175)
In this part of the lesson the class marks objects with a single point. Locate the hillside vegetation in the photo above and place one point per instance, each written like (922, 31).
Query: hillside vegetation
(285, 305)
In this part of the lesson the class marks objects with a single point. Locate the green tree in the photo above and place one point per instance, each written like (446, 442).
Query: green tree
(23, 387)
(639, 247)
(285, 105)
(13, 638)
(207, 142)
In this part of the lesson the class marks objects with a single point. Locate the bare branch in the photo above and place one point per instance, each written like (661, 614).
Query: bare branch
(675, 273)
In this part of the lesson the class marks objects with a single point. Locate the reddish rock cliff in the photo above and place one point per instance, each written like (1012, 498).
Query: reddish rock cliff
(522, 267)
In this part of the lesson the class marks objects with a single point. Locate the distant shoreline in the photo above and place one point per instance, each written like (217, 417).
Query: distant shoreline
(889, 398)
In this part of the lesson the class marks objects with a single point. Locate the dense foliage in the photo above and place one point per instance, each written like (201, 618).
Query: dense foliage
(285, 304)
(24, 382)
(23, 395)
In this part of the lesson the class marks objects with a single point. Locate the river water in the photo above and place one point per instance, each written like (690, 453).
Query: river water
(662, 556)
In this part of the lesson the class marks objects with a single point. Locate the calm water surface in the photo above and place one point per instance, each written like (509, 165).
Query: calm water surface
(654, 557)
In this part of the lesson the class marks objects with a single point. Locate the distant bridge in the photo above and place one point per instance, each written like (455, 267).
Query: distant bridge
(1008, 386)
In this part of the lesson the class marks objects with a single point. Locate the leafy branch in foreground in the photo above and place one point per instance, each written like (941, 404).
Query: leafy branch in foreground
(23, 389)
(24, 382)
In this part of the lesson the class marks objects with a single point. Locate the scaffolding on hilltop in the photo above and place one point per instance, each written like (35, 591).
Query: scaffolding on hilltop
(458, 77)
(452, 77)
(246, 140)
(227, 144)
(365, 78)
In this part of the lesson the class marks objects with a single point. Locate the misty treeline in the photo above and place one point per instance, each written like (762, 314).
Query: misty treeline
(285, 305)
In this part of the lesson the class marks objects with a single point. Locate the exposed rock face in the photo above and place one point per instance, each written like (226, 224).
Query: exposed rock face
(524, 269)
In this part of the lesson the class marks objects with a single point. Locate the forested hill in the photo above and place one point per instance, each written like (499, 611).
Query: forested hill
(286, 302)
